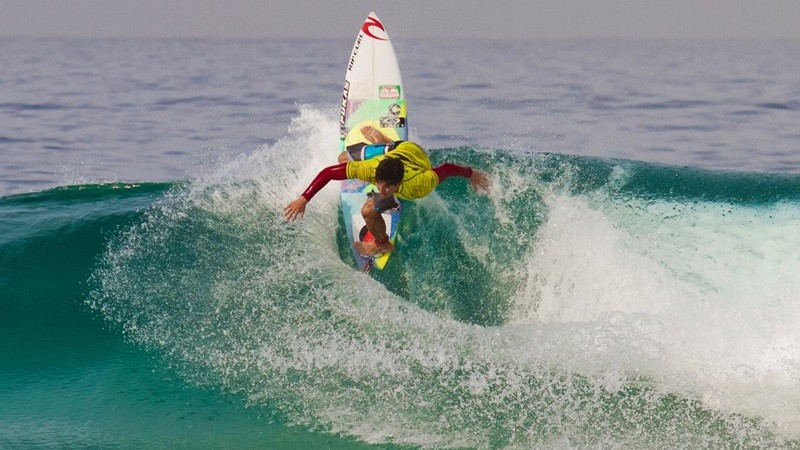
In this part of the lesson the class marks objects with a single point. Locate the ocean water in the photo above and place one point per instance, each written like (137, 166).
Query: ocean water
(632, 280)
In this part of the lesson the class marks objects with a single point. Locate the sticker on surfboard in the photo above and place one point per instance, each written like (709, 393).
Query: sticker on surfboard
(389, 92)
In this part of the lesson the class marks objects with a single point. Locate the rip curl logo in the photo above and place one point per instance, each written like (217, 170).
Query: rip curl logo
(373, 22)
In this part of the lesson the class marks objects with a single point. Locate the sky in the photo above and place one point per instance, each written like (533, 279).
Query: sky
(516, 19)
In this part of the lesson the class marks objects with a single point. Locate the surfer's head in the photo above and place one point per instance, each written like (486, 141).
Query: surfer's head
(389, 171)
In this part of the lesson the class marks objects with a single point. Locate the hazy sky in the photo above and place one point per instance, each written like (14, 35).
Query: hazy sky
(435, 18)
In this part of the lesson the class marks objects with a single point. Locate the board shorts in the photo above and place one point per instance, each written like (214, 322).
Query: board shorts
(363, 151)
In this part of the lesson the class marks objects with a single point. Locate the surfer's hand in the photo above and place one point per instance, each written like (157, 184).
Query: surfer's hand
(295, 210)
(480, 182)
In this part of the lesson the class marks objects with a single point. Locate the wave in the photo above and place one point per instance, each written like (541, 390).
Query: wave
(585, 302)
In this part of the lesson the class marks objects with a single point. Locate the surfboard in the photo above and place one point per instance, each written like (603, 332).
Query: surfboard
(373, 96)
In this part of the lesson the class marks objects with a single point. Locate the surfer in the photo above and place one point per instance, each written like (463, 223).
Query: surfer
(399, 169)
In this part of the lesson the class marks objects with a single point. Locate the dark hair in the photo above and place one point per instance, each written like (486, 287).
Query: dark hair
(390, 170)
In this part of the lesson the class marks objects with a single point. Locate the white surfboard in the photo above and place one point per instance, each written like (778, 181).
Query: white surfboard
(373, 96)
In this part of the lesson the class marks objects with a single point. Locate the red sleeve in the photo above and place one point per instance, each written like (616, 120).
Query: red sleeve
(337, 172)
(452, 170)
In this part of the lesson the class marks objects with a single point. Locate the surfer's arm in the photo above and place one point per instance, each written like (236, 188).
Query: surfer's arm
(330, 173)
(448, 170)
(297, 208)
(477, 179)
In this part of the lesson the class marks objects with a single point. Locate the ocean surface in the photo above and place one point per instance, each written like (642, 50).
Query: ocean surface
(632, 280)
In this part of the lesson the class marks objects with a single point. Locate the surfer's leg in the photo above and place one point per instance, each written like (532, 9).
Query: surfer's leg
(374, 220)
(377, 227)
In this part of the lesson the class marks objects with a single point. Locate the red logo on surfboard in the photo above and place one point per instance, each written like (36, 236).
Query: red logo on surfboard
(373, 22)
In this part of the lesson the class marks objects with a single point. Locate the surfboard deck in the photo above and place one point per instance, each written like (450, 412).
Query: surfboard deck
(373, 96)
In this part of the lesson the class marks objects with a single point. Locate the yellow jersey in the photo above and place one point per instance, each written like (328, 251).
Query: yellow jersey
(419, 179)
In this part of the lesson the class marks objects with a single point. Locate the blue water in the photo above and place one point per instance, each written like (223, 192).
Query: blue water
(632, 280)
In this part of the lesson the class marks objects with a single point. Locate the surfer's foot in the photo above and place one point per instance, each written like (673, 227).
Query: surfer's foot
(373, 249)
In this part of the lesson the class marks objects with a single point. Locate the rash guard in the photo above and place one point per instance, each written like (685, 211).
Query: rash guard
(339, 172)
